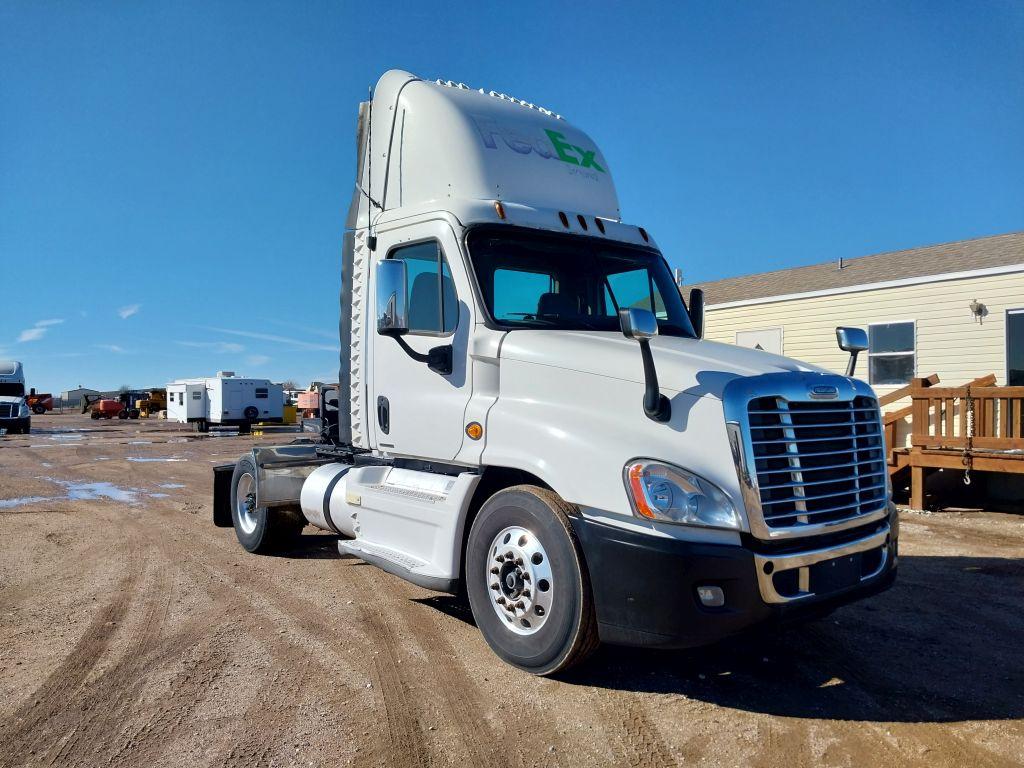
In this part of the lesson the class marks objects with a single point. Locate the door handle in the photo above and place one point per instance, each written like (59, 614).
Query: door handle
(383, 414)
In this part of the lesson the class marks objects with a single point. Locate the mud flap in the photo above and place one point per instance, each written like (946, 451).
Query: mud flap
(222, 495)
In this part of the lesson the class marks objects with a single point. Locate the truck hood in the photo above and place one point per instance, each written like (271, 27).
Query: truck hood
(11, 399)
(692, 366)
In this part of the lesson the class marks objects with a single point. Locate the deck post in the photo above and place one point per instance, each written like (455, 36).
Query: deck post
(916, 487)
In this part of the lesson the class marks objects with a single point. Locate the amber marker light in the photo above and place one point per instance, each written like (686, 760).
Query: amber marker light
(499, 209)
(636, 485)
(474, 430)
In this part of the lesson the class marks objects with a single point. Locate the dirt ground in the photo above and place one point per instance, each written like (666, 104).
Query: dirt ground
(134, 633)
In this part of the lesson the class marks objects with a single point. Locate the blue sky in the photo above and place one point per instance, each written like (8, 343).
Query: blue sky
(174, 176)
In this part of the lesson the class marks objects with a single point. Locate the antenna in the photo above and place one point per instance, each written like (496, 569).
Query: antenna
(678, 274)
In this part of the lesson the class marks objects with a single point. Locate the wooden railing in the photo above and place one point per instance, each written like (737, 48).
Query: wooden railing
(940, 416)
(889, 420)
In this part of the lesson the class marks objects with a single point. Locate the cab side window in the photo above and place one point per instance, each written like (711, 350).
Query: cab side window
(432, 302)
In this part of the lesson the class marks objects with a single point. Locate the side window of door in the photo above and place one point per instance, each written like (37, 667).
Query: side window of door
(432, 301)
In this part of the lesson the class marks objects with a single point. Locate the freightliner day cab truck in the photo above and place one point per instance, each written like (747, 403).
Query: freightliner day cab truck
(527, 410)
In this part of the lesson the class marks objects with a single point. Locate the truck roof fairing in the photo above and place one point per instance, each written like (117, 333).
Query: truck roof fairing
(423, 142)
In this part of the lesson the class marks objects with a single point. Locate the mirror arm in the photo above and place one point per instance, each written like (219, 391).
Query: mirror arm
(852, 365)
(656, 406)
(438, 359)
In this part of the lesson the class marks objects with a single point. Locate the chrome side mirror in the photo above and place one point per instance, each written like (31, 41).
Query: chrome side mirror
(854, 341)
(392, 310)
(642, 325)
(695, 309)
(639, 324)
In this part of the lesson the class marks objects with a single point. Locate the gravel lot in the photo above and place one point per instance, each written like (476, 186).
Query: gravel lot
(134, 633)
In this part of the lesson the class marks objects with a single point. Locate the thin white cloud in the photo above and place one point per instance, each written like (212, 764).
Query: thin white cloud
(307, 329)
(257, 359)
(131, 309)
(32, 334)
(214, 346)
(296, 343)
(111, 348)
(37, 331)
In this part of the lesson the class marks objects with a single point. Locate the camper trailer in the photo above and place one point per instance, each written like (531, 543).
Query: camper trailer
(14, 411)
(224, 400)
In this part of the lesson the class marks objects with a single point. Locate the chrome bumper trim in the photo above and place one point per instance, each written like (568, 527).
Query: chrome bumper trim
(781, 563)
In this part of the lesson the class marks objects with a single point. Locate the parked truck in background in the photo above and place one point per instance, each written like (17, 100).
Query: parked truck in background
(527, 411)
(15, 416)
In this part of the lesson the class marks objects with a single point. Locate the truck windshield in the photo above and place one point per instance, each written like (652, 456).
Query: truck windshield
(568, 282)
(9, 389)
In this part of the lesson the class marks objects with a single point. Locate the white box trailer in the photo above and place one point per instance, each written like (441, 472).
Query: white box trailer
(224, 400)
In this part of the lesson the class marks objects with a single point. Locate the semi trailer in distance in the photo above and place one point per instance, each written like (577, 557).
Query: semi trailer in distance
(15, 414)
(527, 410)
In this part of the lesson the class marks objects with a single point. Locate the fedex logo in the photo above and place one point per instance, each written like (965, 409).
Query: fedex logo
(551, 146)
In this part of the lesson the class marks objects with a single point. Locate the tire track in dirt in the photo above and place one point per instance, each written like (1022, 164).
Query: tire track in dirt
(25, 731)
(101, 706)
(403, 735)
(446, 671)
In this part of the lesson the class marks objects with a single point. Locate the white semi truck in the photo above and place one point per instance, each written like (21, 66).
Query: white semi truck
(15, 416)
(527, 411)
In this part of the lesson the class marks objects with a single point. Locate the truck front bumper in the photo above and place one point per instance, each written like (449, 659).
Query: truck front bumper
(646, 587)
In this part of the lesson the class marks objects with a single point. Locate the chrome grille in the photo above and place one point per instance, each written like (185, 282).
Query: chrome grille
(7, 411)
(817, 461)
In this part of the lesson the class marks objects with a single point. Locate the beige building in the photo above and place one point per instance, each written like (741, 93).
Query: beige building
(955, 309)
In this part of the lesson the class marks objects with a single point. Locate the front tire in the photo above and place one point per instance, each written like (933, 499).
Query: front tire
(38, 410)
(527, 581)
(259, 530)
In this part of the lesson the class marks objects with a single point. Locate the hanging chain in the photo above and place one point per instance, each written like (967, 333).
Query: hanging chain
(967, 458)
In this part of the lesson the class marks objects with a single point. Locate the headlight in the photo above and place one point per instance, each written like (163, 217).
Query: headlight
(23, 410)
(673, 495)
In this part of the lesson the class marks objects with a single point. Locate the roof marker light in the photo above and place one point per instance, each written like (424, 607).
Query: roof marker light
(600, 224)
(499, 209)
(564, 218)
(582, 221)
(643, 234)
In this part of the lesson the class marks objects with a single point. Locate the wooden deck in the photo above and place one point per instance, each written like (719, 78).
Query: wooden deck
(974, 427)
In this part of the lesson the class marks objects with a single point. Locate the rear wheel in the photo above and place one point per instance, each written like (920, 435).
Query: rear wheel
(38, 410)
(527, 581)
(94, 415)
(259, 530)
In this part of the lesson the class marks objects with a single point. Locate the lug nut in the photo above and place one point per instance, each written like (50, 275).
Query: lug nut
(500, 600)
(495, 570)
(526, 575)
(526, 593)
(519, 562)
(495, 587)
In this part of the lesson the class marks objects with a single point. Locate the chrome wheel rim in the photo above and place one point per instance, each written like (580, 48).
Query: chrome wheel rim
(245, 503)
(519, 584)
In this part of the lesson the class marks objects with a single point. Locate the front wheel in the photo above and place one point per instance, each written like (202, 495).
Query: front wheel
(259, 530)
(38, 410)
(527, 581)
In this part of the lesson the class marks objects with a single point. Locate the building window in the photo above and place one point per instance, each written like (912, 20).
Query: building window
(432, 304)
(891, 357)
(197, 395)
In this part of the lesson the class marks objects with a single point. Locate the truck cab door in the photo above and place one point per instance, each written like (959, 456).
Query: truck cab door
(414, 410)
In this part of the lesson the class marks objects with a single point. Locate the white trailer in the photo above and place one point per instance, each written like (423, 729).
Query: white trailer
(224, 400)
(527, 409)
